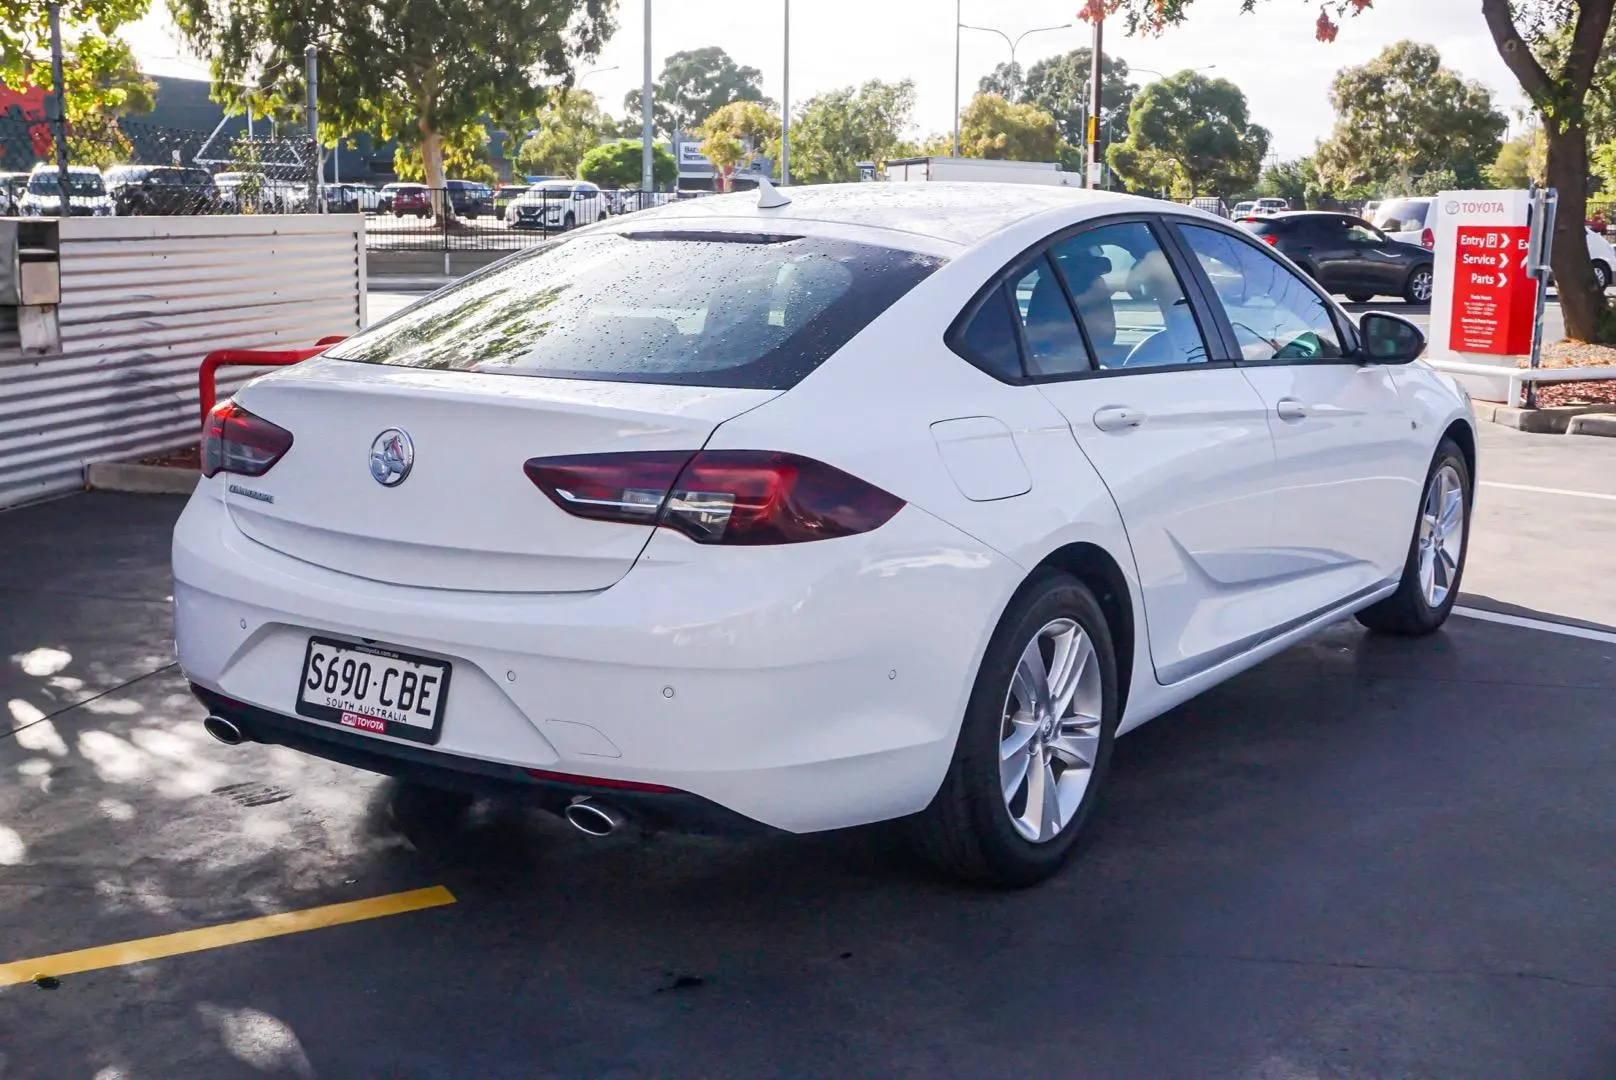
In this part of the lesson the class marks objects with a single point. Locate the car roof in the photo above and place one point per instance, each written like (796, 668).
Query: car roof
(960, 213)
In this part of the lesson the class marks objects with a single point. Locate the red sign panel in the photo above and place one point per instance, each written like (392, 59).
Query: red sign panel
(1494, 300)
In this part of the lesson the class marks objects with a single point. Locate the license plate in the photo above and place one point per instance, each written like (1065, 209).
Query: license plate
(374, 690)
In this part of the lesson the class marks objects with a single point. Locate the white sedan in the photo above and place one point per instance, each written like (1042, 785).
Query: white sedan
(883, 501)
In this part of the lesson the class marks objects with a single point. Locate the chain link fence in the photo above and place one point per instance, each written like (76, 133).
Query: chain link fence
(480, 217)
(127, 168)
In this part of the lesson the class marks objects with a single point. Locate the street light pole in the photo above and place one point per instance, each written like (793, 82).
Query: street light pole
(60, 102)
(785, 108)
(1014, 43)
(311, 76)
(647, 129)
(957, 27)
(1096, 169)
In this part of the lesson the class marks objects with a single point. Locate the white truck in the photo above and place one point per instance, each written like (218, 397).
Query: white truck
(911, 170)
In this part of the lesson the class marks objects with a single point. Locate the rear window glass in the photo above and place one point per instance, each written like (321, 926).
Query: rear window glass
(1263, 228)
(1402, 215)
(716, 310)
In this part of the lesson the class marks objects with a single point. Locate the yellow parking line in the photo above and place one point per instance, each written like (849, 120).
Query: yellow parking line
(214, 937)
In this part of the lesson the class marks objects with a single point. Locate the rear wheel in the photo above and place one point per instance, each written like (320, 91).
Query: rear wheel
(1602, 275)
(1417, 290)
(1431, 574)
(1035, 744)
(568, 223)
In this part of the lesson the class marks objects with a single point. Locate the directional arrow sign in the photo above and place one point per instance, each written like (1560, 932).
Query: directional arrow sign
(1503, 261)
(1503, 279)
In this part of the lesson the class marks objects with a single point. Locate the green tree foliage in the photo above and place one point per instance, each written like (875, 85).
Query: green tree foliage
(465, 157)
(738, 133)
(410, 71)
(1060, 87)
(1192, 136)
(101, 80)
(1555, 49)
(992, 127)
(567, 129)
(617, 165)
(1403, 115)
(1007, 80)
(832, 132)
(1297, 182)
(1520, 161)
(694, 85)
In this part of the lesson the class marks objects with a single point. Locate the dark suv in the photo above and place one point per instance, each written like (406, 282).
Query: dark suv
(1346, 254)
(161, 189)
(470, 199)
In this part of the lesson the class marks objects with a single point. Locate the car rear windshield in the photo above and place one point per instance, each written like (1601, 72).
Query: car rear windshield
(1402, 215)
(1263, 226)
(709, 309)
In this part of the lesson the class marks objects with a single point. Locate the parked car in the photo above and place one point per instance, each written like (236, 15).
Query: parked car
(558, 205)
(1244, 209)
(1412, 220)
(1346, 254)
(254, 192)
(470, 199)
(161, 189)
(367, 197)
(401, 199)
(1271, 206)
(87, 193)
(506, 194)
(12, 187)
(889, 502)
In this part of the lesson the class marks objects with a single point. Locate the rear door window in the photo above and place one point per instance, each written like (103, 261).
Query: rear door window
(715, 309)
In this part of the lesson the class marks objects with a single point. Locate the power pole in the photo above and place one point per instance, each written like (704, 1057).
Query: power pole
(1096, 165)
(956, 75)
(311, 77)
(785, 108)
(647, 129)
(59, 98)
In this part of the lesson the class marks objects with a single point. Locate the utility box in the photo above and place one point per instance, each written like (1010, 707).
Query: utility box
(31, 280)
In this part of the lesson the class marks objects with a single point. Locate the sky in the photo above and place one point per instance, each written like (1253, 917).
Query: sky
(1270, 54)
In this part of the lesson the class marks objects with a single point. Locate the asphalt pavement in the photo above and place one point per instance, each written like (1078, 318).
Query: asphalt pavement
(1366, 858)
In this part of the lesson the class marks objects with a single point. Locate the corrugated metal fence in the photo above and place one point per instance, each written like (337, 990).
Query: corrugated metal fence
(143, 300)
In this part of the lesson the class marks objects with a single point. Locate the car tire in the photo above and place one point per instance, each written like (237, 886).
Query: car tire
(1416, 608)
(569, 223)
(1417, 289)
(1602, 275)
(1360, 298)
(972, 830)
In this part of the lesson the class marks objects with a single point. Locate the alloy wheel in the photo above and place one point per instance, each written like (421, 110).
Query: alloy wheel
(1442, 530)
(1420, 286)
(1050, 732)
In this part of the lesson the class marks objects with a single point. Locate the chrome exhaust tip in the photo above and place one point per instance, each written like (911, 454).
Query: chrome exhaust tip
(224, 731)
(593, 819)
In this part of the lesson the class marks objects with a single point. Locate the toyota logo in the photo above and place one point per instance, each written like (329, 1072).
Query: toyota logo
(391, 456)
(1452, 207)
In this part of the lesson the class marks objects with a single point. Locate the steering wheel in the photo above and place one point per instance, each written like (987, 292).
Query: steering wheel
(1156, 349)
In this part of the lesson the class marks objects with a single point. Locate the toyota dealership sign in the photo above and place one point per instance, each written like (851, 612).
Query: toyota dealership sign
(1484, 301)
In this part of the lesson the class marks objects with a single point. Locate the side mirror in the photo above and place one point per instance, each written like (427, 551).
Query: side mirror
(1390, 339)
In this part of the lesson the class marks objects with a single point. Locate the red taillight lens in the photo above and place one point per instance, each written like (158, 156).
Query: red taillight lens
(1428, 240)
(236, 441)
(1271, 240)
(717, 496)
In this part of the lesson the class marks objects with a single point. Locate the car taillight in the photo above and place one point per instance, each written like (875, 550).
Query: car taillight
(1271, 240)
(236, 441)
(1428, 240)
(717, 496)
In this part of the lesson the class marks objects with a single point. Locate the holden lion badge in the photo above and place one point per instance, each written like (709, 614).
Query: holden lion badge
(391, 456)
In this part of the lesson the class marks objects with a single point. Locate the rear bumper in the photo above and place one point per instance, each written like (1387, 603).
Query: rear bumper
(672, 810)
(809, 688)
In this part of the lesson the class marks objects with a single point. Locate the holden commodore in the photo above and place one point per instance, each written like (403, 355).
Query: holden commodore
(801, 510)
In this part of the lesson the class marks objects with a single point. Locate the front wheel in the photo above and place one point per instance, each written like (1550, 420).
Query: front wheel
(1417, 290)
(569, 223)
(1602, 275)
(1035, 744)
(1360, 298)
(1430, 584)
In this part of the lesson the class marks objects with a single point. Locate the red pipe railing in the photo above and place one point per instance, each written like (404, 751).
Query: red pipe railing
(207, 390)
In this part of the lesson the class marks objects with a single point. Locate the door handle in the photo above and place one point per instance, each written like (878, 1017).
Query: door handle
(1117, 418)
(1289, 408)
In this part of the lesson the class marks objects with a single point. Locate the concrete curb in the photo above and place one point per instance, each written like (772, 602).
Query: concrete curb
(1593, 424)
(139, 479)
(1551, 421)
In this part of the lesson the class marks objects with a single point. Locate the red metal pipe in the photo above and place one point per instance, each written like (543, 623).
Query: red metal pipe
(207, 376)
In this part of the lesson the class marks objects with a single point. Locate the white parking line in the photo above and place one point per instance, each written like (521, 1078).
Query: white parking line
(1537, 624)
(1549, 491)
